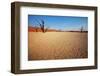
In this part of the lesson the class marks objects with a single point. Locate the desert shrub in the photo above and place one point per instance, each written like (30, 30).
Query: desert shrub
(36, 28)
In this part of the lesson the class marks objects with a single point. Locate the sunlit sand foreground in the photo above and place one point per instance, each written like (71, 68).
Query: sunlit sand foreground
(57, 45)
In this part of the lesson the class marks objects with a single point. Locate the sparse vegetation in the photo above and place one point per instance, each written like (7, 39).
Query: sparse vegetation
(36, 28)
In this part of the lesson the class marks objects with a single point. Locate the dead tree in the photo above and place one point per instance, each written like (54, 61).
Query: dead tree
(81, 29)
(42, 26)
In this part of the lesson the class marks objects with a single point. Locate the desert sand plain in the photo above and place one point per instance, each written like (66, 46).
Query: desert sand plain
(57, 45)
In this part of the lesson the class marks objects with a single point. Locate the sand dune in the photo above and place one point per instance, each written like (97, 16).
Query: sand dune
(57, 45)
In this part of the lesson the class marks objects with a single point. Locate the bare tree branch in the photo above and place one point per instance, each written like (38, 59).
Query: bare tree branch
(42, 25)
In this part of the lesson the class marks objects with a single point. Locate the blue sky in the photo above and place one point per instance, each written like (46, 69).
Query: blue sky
(59, 22)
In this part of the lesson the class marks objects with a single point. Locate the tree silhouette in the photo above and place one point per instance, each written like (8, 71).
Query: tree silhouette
(81, 29)
(42, 26)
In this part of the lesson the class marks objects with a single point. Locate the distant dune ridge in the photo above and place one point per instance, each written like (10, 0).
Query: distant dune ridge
(56, 45)
(38, 29)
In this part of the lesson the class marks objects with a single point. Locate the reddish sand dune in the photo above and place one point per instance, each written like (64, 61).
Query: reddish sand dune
(57, 45)
(38, 29)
